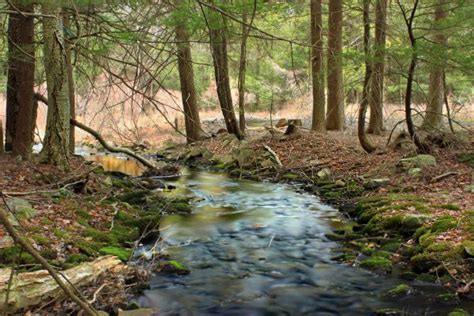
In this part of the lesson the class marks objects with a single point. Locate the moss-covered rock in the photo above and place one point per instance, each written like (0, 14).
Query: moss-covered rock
(459, 312)
(377, 264)
(174, 267)
(443, 224)
(400, 290)
(423, 262)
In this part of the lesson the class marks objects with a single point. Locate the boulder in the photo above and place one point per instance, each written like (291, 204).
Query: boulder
(324, 174)
(414, 172)
(376, 183)
(419, 161)
(22, 208)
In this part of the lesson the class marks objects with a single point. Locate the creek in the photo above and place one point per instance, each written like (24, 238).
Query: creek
(260, 249)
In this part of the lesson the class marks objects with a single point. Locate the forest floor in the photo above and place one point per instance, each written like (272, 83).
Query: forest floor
(75, 216)
(412, 211)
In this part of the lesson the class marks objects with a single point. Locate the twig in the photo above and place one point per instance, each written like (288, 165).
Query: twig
(94, 298)
(444, 175)
(278, 161)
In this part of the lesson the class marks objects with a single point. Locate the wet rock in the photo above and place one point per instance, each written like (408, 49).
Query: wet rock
(459, 312)
(448, 299)
(400, 290)
(389, 312)
(174, 267)
(419, 161)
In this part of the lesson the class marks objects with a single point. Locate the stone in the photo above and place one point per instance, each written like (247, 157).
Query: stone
(413, 222)
(469, 248)
(414, 172)
(22, 208)
(400, 290)
(267, 163)
(419, 161)
(324, 174)
(340, 183)
(281, 123)
(108, 182)
(376, 183)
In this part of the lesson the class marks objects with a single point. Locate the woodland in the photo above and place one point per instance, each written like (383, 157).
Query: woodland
(237, 157)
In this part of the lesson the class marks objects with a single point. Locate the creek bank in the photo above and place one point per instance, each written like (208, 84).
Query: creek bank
(110, 214)
(396, 229)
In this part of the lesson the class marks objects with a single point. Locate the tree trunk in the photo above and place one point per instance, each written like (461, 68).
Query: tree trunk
(56, 140)
(71, 83)
(434, 108)
(364, 142)
(2, 150)
(319, 111)
(218, 39)
(243, 61)
(335, 116)
(188, 90)
(21, 110)
(377, 81)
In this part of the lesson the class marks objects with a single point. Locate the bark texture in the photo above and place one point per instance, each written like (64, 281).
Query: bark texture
(56, 140)
(71, 84)
(188, 89)
(364, 141)
(434, 109)
(317, 71)
(21, 110)
(218, 39)
(335, 115)
(377, 80)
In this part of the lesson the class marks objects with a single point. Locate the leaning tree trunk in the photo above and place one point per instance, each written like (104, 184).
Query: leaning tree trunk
(364, 141)
(335, 116)
(218, 39)
(377, 81)
(188, 90)
(21, 110)
(71, 84)
(56, 141)
(434, 109)
(317, 72)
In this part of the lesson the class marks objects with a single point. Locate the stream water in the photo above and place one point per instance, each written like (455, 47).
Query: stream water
(260, 249)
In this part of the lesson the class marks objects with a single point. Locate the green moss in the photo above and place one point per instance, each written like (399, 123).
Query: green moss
(451, 207)
(400, 290)
(174, 267)
(290, 176)
(49, 254)
(391, 247)
(40, 239)
(15, 255)
(83, 214)
(380, 264)
(122, 253)
(76, 258)
(61, 233)
(423, 262)
(99, 236)
(459, 312)
(420, 232)
(443, 224)
(439, 247)
(137, 197)
(427, 239)
(46, 221)
(448, 298)
(89, 248)
(467, 158)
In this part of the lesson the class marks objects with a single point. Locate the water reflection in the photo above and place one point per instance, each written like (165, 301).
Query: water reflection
(118, 163)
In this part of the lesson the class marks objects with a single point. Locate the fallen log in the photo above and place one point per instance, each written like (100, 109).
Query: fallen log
(111, 148)
(32, 288)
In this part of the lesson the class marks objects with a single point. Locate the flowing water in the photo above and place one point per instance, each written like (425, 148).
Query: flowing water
(260, 249)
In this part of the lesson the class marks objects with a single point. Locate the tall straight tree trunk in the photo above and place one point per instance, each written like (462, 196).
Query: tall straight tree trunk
(2, 148)
(188, 90)
(21, 110)
(242, 67)
(218, 39)
(56, 141)
(335, 115)
(377, 81)
(71, 83)
(434, 109)
(317, 71)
